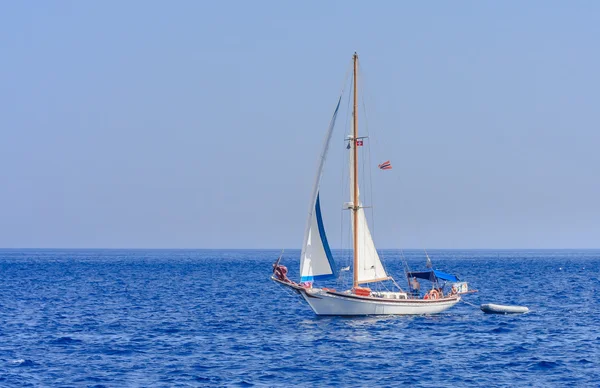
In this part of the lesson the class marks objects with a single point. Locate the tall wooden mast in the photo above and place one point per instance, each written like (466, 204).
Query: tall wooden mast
(355, 174)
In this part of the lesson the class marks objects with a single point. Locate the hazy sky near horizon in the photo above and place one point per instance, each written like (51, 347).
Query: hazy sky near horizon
(197, 124)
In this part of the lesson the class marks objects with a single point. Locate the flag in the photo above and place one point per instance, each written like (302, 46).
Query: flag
(348, 147)
(359, 142)
(385, 165)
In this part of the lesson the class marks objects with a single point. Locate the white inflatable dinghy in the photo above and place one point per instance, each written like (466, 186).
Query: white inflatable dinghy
(490, 308)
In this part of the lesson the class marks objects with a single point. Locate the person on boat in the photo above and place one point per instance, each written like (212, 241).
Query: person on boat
(440, 292)
(280, 272)
(454, 290)
(415, 285)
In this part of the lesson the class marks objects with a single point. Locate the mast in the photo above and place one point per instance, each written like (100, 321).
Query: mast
(355, 173)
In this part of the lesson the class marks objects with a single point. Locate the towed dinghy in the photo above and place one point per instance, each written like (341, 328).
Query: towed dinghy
(491, 308)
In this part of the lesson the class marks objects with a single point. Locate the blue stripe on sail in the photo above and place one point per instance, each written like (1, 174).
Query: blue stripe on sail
(313, 278)
(324, 242)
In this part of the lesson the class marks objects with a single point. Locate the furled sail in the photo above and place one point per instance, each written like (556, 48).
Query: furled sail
(316, 261)
(369, 268)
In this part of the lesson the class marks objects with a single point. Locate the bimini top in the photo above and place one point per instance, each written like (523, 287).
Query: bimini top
(433, 275)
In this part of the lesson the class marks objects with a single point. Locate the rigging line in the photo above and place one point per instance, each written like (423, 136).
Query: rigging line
(364, 97)
(407, 268)
(345, 161)
(367, 198)
(397, 285)
(370, 175)
(363, 201)
(297, 298)
(371, 196)
(348, 71)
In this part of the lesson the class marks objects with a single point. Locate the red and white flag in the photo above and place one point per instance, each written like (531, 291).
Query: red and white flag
(385, 165)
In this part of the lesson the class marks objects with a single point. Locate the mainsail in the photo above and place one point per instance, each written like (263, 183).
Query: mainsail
(369, 266)
(316, 261)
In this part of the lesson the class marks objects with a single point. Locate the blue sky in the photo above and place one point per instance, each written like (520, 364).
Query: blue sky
(196, 124)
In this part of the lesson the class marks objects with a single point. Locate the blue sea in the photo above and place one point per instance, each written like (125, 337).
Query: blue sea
(176, 318)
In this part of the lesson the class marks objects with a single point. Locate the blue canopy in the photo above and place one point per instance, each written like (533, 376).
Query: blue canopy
(433, 275)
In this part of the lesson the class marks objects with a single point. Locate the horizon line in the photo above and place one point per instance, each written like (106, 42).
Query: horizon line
(293, 249)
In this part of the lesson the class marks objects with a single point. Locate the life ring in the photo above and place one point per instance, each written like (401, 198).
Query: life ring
(433, 294)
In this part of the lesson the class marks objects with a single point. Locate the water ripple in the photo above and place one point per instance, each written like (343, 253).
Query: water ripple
(211, 318)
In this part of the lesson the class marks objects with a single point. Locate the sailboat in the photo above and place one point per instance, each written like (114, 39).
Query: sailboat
(317, 263)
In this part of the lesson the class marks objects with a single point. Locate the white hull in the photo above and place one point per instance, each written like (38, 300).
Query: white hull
(327, 303)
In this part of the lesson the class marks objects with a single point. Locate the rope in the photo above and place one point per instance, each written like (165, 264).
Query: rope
(407, 269)
(397, 285)
(369, 176)
(470, 304)
(365, 96)
(297, 297)
(368, 132)
(345, 259)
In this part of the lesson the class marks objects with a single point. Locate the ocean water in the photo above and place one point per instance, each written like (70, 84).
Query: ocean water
(118, 318)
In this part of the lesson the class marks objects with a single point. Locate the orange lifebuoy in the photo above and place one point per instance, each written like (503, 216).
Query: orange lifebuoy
(433, 294)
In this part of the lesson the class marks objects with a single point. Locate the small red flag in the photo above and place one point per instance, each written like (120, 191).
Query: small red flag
(359, 143)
